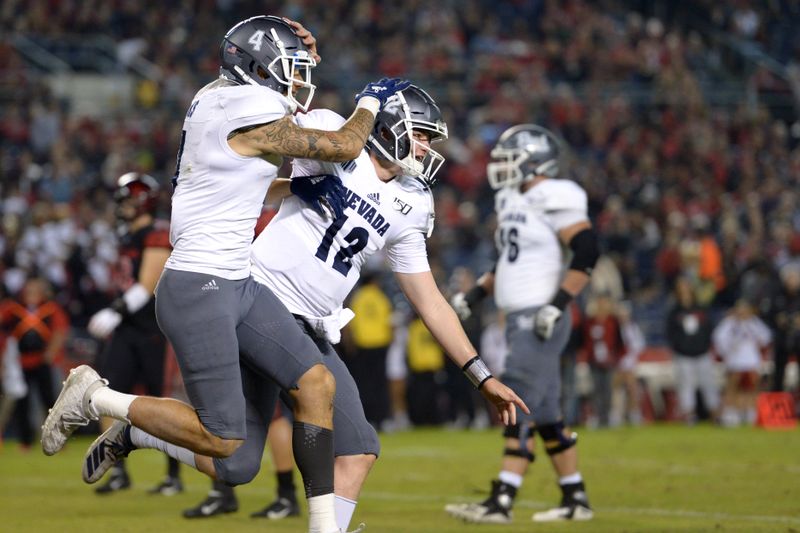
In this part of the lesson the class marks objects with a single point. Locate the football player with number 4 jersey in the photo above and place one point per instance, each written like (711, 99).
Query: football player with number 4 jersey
(228, 331)
(311, 262)
(537, 217)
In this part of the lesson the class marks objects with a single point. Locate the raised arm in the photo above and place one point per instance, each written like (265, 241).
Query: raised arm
(285, 138)
(421, 290)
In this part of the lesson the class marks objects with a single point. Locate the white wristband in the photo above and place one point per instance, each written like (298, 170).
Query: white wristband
(136, 297)
(370, 103)
(476, 371)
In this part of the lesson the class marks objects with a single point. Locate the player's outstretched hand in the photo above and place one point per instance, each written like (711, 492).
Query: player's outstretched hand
(544, 321)
(504, 400)
(383, 89)
(323, 192)
(305, 36)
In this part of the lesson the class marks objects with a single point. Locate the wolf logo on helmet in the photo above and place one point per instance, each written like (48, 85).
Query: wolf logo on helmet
(266, 51)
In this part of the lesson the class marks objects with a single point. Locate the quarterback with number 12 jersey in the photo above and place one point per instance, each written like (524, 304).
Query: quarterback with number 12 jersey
(312, 263)
(531, 258)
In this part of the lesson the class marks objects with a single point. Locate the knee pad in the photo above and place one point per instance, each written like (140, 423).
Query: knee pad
(520, 452)
(554, 439)
(235, 471)
(519, 431)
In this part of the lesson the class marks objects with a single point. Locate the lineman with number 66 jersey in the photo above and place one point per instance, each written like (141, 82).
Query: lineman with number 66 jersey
(537, 215)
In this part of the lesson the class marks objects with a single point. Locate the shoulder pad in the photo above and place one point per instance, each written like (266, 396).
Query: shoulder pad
(242, 101)
(558, 194)
(321, 119)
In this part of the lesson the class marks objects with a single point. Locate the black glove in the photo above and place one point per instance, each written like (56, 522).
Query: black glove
(383, 89)
(323, 192)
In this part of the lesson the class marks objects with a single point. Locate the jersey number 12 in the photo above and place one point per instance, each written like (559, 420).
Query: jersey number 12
(357, 238)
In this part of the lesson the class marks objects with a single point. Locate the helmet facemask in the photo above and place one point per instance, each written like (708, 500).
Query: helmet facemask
(505, 172)
(294, 72)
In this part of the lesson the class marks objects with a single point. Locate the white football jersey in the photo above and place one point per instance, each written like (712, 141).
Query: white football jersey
(311, 263)
(530, 256)
(219, 193)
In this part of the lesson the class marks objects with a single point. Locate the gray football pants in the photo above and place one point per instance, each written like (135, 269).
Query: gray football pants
(533, 366)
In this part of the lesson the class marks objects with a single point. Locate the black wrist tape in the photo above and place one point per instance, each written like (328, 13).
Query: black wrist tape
(120, 306)
(475, 295)
(561, 299)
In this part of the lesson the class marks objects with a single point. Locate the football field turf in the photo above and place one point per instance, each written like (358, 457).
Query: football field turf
(654, 478)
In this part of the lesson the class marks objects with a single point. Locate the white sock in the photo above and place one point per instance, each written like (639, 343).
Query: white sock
(510, 478)
(321, 514)
(107, 402)
(572, 478)
(344, 511)
(141, 439)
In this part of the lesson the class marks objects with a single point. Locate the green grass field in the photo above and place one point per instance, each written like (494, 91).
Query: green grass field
(656, 478)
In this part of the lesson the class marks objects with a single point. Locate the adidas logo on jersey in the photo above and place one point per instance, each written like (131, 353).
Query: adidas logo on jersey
(375, 197)
(210, 286)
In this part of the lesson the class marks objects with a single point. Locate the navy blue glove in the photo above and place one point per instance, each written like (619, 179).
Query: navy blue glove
(324, 192)
(383, 89)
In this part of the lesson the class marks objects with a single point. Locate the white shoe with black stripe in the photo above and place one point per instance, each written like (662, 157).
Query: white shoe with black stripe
(114, 444)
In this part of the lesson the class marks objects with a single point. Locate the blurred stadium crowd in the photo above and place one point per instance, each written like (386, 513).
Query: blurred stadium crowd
(681, 118)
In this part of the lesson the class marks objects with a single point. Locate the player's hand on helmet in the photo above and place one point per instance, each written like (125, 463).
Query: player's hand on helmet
(306, 37)
(461, 306)
(104, 322)
(504, 400)
(323, 192)
(383, 89)
(544, 322)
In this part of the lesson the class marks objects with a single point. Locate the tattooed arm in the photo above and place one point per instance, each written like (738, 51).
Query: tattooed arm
(285, 138)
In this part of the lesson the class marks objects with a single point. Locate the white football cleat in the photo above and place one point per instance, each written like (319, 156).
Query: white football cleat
(496, 509)
(575, 511)
(71, 408)
(106, 450)
(480, 513)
